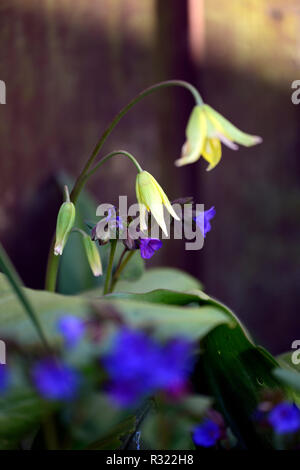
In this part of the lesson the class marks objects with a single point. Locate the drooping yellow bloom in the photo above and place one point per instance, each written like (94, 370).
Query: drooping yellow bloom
(152, 198)
(64, 224)
(205, 131)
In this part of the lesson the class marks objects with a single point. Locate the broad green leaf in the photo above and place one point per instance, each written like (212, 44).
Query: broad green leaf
(49, 306)
(238, 372)
(169, 319)
(113, 440)
(160, 278)
(182, 315)
(289, 372)
(290, 377)
(287, 361)
(20, 411)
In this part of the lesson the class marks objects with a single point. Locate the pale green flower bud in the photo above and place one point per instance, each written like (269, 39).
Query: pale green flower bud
(93, 255)
(65, 222)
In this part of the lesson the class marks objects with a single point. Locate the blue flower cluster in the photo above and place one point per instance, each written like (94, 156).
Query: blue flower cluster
(139, 366)
(207, 433)
(148, 246)
(202, 219)
(4, 378)
(55, 380)
(285, 418)
(71, 328)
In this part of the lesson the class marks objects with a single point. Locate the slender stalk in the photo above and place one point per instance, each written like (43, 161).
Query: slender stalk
(52, 266)
(113, 246)
(113, 154)
(67, 194)
(148, 91)
(119, 270)
(16, 283)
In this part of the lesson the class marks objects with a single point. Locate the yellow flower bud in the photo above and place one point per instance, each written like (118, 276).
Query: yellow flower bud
(65, 222)
(205, 131)
(152, 198)
(93, 255)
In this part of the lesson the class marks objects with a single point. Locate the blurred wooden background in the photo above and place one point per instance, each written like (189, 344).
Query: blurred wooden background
(69, 65)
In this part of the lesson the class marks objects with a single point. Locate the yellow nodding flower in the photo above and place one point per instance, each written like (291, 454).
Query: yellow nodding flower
(92, 255)
(206, 130)
(64, 224)
(152, 198)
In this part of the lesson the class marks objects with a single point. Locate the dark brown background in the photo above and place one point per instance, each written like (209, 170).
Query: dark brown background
(69, 65)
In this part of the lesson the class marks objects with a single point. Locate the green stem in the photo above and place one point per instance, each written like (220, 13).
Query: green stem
(120, 268)
(52, 268)
(16, 283)
(113, 154)
(113, 246)
(67, 194)
(53, 261)
(148, 91)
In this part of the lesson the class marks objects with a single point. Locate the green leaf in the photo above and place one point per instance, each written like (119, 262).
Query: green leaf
(289, 377)
(113, 440)
(20, 411)
(169, 313)
(181, 315)
(160, 278)
(237, 372)
(287, 361)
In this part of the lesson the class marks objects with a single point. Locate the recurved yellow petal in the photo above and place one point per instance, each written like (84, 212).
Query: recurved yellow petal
(229, 130)
(212, 152)
(165, 199)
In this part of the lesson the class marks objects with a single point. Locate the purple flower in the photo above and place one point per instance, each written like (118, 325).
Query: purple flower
(202, 219)
(55, 380)
(207, 433)
(71, 328)
(4, 378)
(115, 221)
(139, 366)
(149, 246)
(285, 418)
(175, 365)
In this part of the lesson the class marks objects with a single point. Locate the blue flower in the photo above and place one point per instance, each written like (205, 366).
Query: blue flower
(4, 378)
(207, 433)
(202, 219)
(285, 418)
(175, 365)
(71, 328)
(55, 380)
(149, 246)
(115, 221)
(139, 366)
